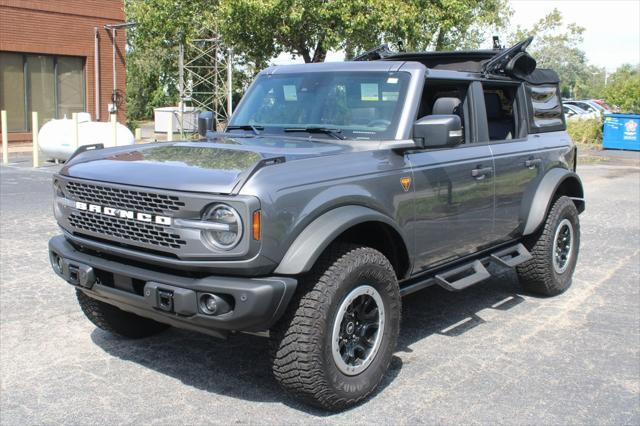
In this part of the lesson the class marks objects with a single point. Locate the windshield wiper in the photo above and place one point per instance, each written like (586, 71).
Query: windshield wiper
(336, 133)
(255, 129)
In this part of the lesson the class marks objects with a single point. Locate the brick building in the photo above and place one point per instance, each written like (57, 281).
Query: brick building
(56, 57)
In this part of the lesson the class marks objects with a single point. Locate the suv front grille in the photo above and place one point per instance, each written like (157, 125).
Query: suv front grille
(124, 198)
(126, 229)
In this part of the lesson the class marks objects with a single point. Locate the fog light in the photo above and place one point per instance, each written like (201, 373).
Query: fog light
(208, 304)
(213, 304)
(56, 262)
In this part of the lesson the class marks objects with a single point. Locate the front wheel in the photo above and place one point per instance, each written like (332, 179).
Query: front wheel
(335, 343)
(555, 251)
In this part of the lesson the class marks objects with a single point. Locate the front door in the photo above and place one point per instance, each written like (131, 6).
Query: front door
(454, 203)
(454, 187)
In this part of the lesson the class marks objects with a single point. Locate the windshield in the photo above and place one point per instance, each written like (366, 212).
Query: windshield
(353, 105)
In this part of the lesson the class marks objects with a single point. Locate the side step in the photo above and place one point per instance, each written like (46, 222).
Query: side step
(511, 256)
(465, 276)
(472, 272)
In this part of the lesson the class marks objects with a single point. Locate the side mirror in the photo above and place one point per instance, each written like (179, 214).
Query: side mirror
(437, 131)
(206, 123)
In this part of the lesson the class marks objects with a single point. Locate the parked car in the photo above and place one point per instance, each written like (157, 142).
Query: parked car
(573, 112)
(335, 190)
(604, 105)
(589, 106)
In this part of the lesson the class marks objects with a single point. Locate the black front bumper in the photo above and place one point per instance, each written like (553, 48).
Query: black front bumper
(254, 303)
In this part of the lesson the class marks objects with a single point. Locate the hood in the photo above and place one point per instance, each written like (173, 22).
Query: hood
(219, 166)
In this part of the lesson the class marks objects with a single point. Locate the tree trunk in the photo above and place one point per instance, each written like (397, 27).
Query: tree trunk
(440, 41)
(320, 53)
(349, 51)
(305, 54)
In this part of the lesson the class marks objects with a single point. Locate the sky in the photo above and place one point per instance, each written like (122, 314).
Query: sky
(612, 28)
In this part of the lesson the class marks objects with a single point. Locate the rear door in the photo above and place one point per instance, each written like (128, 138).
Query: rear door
(453, 188)
(516, 156)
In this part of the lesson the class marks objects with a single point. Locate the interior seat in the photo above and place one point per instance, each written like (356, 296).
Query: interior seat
(448, 106)
(501, 127)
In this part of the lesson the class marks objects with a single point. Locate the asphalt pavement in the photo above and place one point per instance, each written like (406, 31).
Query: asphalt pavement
(492, 354)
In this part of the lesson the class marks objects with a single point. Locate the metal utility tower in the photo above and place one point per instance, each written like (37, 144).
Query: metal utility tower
(206, 76)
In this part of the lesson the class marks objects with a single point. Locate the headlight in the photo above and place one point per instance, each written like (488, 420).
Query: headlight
(57, 193)
(57, 190)
(226, 227)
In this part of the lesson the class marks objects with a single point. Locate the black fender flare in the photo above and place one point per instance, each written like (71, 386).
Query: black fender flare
(322, 231)
(544, 192)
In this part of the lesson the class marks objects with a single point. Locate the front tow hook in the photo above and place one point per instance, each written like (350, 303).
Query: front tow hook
(165, 300)
(86, 276)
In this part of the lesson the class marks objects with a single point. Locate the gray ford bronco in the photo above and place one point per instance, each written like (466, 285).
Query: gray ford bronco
(335, 189)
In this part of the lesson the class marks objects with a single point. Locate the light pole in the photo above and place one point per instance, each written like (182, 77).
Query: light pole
(114, 29)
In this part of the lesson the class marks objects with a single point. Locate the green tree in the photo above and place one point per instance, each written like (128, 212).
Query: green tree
(309, 28)
(259, 30)
(590, 84)
(147, 86)
(557, 46)
(455, 24)
(623, 88)
(152, 49)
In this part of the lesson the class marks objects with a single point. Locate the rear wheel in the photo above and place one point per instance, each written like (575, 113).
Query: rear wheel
(115, 320)
(335, 343)
(555, 251)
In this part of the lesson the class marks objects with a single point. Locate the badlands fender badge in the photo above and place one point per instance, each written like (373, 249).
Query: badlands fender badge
(405, 182)
(123, 214)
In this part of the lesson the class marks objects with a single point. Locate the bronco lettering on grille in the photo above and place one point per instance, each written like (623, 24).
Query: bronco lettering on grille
(123, 214)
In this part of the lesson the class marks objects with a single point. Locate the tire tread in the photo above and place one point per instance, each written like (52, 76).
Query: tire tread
(117, 321)
(537, 275)
(296, 340)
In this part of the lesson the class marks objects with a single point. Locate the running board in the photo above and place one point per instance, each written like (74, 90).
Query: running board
(465, 276)
(471, 272)
(511, 256)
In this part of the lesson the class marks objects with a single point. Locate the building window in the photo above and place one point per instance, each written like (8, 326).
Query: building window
(41, 87)
(51, 85)
(70, 86)
(12, 91)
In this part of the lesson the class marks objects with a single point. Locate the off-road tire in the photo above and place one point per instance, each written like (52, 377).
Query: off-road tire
(301, 347)
(538, 274)
(117, 321)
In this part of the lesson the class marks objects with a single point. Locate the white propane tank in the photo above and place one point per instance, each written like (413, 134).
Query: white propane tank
(55, 137)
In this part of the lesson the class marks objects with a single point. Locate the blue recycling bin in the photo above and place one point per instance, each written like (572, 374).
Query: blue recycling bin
(621, 131)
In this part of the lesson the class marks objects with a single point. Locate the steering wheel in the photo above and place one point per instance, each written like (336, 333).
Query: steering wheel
(378, 122)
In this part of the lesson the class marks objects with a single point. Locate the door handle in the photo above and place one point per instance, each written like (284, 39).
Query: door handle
(481, 172)
(532, 163)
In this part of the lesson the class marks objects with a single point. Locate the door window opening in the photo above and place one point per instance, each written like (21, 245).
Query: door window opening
(445, 98)
(500, 106)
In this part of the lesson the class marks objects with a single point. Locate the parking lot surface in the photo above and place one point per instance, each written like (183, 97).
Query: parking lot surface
(490, 354)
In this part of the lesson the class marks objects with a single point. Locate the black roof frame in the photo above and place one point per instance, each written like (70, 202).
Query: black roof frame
(488, 63)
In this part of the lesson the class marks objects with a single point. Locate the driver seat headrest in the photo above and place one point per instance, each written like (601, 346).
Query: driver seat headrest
(445, 106)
